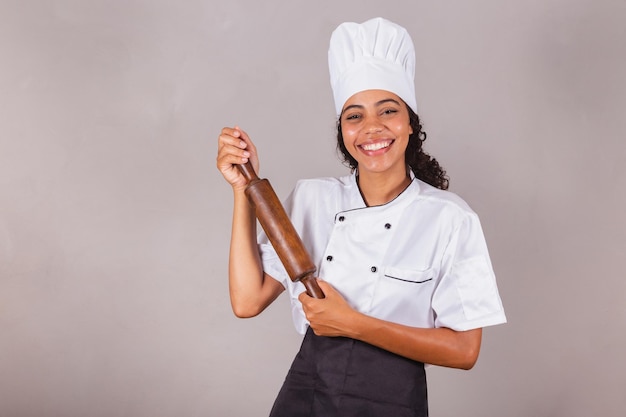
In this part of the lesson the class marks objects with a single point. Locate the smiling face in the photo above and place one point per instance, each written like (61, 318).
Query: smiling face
(375, 128)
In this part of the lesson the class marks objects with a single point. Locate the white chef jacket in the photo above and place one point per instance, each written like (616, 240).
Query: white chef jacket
(420, 260)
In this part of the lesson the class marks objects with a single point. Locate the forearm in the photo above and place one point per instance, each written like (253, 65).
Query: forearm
(438, 346)
(250, 289)
(332, 316)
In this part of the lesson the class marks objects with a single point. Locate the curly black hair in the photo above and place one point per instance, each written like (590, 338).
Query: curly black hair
(424, 167)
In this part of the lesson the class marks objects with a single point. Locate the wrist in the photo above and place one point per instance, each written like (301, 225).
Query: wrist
(241, 202)
(358, 325)
(239, 191)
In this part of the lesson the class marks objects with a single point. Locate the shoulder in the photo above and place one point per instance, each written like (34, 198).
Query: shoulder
(324, 185)
(444, 200)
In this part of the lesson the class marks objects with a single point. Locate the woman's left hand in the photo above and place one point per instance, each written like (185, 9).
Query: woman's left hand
(329, 316)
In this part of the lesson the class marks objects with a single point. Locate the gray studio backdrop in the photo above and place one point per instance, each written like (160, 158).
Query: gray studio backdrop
(114, 222)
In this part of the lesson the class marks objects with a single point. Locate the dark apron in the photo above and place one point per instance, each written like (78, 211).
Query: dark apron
(342, 377)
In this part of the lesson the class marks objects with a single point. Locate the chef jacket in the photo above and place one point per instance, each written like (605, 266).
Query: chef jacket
(420, 260)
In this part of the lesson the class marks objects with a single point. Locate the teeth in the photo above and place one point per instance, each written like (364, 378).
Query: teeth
(375, 146)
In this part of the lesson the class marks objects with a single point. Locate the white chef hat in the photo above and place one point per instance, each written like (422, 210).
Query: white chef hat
(375, 55)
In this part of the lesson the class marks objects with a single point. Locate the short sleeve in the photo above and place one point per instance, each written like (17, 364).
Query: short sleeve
(467, 296)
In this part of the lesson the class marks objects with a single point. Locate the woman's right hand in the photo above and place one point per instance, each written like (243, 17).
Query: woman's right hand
(234, 148)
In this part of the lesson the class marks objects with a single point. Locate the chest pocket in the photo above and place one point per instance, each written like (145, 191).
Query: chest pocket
(409, 275)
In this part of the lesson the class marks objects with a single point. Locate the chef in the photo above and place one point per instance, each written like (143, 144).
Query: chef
(403, 262)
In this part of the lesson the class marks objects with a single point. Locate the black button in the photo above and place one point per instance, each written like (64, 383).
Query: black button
(341, 218)
(387, 226)
(373, 269)
(329, 258)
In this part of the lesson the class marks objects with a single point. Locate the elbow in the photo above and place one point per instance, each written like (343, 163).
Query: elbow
(468, 348)
(243, 314)
(467, 365)
(245, 311)
(468, 359)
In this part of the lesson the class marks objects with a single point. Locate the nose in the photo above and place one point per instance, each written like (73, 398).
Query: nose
(374, 126)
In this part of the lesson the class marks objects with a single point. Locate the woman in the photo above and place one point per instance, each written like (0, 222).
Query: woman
(403, 263)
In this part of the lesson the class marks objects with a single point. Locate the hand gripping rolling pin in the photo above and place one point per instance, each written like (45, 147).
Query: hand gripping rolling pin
(280, 231)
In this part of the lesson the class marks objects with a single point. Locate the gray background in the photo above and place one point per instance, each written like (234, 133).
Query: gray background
(114, 222)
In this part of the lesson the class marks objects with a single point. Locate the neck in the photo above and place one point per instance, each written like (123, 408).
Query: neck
(381, 188)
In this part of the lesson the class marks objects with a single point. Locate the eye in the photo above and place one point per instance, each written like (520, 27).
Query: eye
(353, 116)
(390, 111)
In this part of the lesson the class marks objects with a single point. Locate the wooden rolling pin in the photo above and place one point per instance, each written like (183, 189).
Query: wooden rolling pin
(280, 231)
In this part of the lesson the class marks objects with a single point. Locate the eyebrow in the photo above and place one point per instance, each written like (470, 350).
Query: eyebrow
(378, 103)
